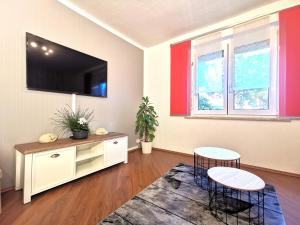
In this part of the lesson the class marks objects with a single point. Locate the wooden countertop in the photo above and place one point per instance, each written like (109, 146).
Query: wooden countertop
(34, 147)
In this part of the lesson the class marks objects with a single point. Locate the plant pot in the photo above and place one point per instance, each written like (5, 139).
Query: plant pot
(146, 147)
(83, 134)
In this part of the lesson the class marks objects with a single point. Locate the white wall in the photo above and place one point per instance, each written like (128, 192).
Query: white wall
(24, 114)
(274, 145)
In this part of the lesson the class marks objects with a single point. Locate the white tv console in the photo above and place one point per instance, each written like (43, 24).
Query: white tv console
(40, 167)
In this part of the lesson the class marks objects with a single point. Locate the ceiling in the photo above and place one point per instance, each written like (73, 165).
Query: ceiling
(150, 22)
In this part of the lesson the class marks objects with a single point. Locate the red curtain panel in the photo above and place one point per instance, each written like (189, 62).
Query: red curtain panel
(289, 62)
(180, 79)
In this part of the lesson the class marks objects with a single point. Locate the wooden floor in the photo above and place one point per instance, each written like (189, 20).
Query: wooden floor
(90, 199)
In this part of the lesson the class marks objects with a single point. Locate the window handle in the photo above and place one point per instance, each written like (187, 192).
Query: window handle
(115, 142)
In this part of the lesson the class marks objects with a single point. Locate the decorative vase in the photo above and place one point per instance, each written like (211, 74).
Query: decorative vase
(146, 147)
(83, 134)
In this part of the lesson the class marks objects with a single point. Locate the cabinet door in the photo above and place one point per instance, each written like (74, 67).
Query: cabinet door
(116, 151)
(52, 168)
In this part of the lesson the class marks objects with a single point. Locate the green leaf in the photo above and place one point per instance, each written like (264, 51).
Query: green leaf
(66, 120)
(146, 122)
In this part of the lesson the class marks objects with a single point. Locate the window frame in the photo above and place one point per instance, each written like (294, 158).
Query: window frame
(274, 87)
(225, 43)
(214, 46)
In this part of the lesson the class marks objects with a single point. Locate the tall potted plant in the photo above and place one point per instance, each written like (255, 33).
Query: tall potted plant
(146, 123)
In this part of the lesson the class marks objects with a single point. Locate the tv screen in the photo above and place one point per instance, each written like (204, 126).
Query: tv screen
(56, 68)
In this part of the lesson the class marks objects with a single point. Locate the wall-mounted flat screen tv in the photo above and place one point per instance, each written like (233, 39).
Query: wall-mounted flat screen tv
(56, 68)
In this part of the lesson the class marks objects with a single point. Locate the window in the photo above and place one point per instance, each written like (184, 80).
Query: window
(252, 76)
(210, 81)
(236, 74)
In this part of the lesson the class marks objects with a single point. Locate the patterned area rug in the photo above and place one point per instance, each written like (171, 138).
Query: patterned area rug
(176, 199)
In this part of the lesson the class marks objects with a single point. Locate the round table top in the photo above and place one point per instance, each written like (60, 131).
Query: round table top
(236, 178)
(217, 153)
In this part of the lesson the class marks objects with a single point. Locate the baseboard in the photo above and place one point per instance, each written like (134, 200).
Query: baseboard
(173, 152)
(242, 164)
(270, 170)
(3, 190)
(133, 148)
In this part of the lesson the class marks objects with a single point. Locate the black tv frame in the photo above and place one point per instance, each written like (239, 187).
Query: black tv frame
(56, 91)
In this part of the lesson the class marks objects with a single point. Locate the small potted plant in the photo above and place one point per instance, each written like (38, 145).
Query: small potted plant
(75, 122)
(146, 123)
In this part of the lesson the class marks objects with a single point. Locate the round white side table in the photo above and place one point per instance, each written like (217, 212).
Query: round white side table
(233, 190)
(207, 157)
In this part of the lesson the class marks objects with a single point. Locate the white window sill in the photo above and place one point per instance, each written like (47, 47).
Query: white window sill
(241, 117)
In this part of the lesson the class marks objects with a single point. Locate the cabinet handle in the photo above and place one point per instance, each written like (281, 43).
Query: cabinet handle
(55, 156)
(115, 142)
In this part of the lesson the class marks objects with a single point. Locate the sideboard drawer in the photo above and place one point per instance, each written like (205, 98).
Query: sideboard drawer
(52, 168)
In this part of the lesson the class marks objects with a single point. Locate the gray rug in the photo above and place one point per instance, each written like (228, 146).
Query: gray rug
(176, 199)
